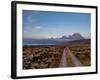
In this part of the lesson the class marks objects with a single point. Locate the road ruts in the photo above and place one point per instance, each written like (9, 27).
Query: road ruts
(63, 62)
(75, 61)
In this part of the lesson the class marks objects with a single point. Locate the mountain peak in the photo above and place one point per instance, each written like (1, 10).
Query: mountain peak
(77, 36)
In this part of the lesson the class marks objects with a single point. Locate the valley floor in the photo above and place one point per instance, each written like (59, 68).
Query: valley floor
(71, 55)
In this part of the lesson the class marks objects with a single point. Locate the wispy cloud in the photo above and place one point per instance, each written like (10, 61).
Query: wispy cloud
(38, 27)
(30, 19)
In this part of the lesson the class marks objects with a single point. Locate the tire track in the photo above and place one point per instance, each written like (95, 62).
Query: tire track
(63, 62)
(76, 62)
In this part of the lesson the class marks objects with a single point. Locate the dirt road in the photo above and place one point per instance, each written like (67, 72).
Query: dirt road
(64, 62)
(75, 61)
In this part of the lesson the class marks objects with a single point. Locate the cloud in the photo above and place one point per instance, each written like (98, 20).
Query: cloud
(38, 27)
(30, 19)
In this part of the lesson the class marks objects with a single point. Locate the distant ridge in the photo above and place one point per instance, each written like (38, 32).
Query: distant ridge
(75, 36)
(53, 41)
(78, 42)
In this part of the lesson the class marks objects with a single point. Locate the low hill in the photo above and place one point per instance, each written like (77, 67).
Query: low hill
(78, 42)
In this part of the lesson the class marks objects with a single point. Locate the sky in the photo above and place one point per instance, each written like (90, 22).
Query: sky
(47, 24)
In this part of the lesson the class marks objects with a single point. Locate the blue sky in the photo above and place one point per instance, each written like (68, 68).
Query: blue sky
(43, 24)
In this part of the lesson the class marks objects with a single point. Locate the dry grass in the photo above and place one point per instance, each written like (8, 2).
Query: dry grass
(37, 57)
(82, 53)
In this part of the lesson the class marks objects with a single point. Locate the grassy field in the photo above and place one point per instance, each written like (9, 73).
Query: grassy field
(82, 50)
(82, 53)
(49, 56)
(35, 57)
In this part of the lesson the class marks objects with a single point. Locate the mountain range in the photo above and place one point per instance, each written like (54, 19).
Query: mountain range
(75, 36)
(49, 41)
